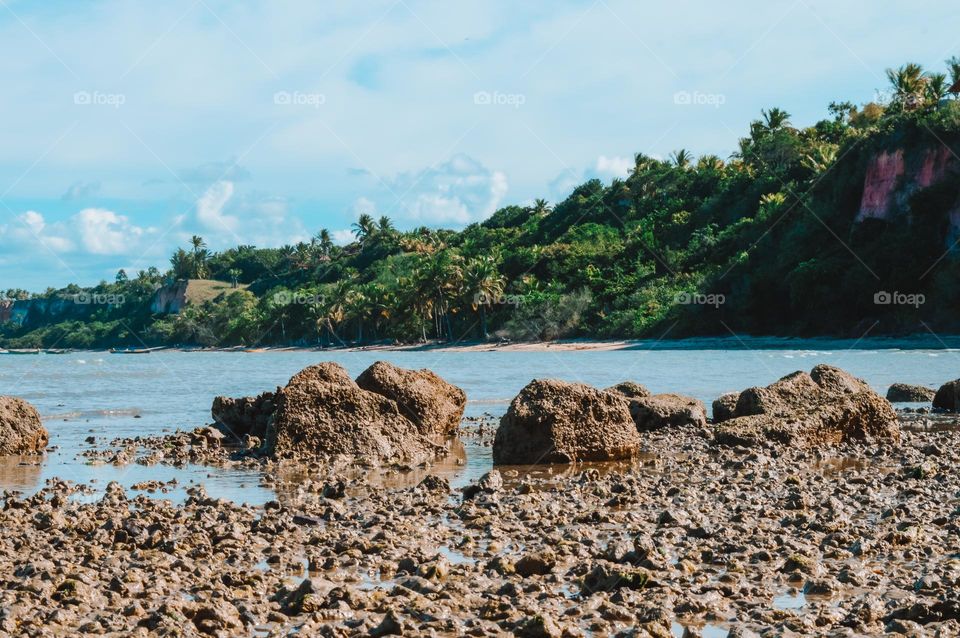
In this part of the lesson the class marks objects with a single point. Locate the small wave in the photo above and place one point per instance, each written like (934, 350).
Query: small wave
(488, 401)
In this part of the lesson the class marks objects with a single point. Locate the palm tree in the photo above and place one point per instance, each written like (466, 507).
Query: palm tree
(385, 226)
(364, 227)
(199, 256)
(953, 65)
(234, 274)
(909, 86)
(182, 264)
(775, 119)
(936, 88)
(681, 158)
(541, 207)
(709, 162)
(483, 283)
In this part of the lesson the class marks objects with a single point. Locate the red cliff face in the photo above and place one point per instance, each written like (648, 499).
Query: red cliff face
(883, 175)
(891, 180)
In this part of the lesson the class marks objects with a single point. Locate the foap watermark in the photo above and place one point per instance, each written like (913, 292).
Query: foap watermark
(99, 298)
(98, 98)
(884, 298)
(700, 299)
(299, 98)
(287, 298)
(698, 98)
(496, 98)
(481, 299)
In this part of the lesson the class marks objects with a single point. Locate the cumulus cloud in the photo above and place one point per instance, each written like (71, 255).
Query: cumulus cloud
(254, 219)
(458, 191)
(615, 166)
(94, 231)
(342, 237)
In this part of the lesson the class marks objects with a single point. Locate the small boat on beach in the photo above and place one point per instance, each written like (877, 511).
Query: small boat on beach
(22, 351)
(135, 350)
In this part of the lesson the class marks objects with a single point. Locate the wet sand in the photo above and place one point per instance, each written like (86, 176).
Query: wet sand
(688, 539)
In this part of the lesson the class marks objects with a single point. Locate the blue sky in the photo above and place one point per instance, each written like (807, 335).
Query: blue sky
(129, 126)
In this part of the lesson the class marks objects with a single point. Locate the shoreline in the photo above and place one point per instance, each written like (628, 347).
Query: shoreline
(731, 342)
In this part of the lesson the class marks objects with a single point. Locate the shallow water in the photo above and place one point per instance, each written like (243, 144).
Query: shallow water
(107, 395)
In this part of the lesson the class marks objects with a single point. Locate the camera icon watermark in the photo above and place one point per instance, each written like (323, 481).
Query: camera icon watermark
(698, 98)
(86, 298)
(482, 299)
(496, 98)
(884, 298)
(299, 98)
(97, 98)
(700, 299)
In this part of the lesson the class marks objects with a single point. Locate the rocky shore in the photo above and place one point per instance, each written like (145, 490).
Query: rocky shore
(849, 526)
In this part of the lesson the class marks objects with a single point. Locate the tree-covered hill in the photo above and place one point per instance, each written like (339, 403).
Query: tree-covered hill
(844, 228)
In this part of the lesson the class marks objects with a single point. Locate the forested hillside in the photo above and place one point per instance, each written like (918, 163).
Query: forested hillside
(843, 228)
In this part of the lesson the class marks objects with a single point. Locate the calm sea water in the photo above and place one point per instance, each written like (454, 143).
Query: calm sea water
(101, 394)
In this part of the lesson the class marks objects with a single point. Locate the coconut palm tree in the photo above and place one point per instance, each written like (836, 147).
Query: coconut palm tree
(775, 119)
(364, 227)
(482, 284)
(909, 86)
(936, 88)
(681, 158)
(541, 207)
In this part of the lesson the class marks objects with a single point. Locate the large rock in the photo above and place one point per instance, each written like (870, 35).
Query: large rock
(667, 410)
(431, 403)
(246, 416)
(557, 422)
(725, 407)
(21, 431)
(906, 393)
(948, 396)
(322, 412)
(826, 407)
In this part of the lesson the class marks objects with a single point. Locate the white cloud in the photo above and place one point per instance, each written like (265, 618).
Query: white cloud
(615, 166)
(93, 231)
(458, 191)
(103, 232)
(342, 237)
(210, 208)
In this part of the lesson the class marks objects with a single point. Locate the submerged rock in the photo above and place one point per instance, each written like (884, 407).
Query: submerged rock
(826, 407)
(557, 422)
(906, 393)
(431, 403)
(21, 431)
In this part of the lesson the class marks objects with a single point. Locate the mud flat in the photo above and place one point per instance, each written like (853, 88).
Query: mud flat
(688, 537)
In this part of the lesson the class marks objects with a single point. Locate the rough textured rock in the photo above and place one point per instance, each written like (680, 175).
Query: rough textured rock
(667, 410)
(906, 393)
(21, 431)
(322, 412)
(557, 422)
(725, 407)
(630, 389)
(826, 407)
(948, 396)
(246, 416)
(431, 403)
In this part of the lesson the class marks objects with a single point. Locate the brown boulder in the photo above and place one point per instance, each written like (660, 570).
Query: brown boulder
(557, 422)
(21, 431)
(322, 412)
(630, 390)
(246, 416)
(826, 407)
(906, 393)
(725, 407)
(431, 403)
(666, 410)
(948, 396)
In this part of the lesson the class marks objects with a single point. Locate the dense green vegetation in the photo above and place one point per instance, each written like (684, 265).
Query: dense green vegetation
(764, 242)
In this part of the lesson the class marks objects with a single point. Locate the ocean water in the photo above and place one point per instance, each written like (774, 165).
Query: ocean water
(107, 395)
